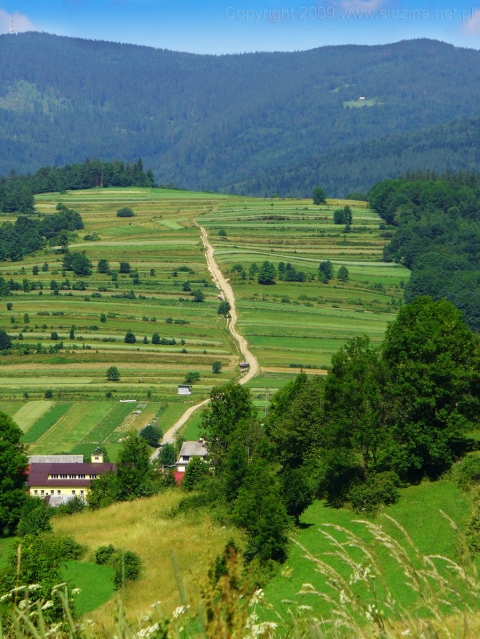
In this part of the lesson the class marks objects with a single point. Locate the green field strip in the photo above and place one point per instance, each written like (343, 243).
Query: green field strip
(46, 422)
(95, 583)
(73, 427)
(106, 427)
(29, 414)
(10, 407)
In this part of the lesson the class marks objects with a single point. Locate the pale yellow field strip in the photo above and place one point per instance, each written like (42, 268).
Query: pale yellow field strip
(31, 413)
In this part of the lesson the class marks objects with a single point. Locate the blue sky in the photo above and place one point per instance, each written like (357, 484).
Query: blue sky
(233, 26)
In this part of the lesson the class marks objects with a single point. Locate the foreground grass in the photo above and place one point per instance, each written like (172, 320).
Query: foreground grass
(418, 511)
(142, 526)
(95, 583)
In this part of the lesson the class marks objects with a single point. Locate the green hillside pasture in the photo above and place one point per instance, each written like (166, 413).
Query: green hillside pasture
(306, 322)
(418, 511)
(46, 422)
(30, 413)
(73, 427)
(164, 250)
(95, 583)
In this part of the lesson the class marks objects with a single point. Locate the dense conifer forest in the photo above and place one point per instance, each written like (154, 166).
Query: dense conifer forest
(207, 122)
(453, 146)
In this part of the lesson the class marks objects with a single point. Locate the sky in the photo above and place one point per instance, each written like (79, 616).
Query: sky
(238, 26)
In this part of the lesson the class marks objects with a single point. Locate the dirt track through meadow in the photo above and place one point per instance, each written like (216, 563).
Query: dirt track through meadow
(242, 344)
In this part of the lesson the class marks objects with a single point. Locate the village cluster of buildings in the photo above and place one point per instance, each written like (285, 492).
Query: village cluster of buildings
(60, 478)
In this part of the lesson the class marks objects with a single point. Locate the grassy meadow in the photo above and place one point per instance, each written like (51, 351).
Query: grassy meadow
(419, 512)
(144, 527)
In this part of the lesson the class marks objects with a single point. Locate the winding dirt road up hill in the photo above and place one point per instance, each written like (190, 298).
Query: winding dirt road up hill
(224, 286)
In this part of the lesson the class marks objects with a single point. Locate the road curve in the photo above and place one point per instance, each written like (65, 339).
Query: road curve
(242, 344)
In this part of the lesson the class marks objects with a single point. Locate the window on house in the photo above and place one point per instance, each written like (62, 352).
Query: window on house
(52, 492)
(59, 492)
(81, 476)
(73, 492)
(42, 492)
(63, 476)
(35, 492)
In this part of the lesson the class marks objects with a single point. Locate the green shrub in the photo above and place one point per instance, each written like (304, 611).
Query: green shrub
(126, 564)
(103, 554)
(378, 490)
(467, 471)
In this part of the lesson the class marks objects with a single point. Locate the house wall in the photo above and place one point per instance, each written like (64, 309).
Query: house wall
(41, 491)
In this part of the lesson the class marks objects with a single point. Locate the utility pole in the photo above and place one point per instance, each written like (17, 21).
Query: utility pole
(12, 28)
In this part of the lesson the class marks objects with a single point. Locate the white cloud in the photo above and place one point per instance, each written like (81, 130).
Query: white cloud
(472, 26)
(21, 22)
(361, 5)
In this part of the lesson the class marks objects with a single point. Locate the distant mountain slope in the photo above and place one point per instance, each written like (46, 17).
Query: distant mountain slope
(210, 121)
(454, 146)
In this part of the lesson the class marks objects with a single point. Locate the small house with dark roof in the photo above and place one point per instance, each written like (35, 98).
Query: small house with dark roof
(62, 481)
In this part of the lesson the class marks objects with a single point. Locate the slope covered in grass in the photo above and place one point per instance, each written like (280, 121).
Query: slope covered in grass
(419, 512)
(144, 527)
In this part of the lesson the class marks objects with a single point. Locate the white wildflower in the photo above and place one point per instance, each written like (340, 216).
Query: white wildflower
(144, 633)
(304, 607)
(34, 587)
(179, 611)
(47, 605)
(5, 596)
(406, 632)
(256, 597)
(22, 604)
(76, 591)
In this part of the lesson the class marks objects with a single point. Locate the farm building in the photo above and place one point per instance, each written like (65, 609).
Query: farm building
(61, 481)
(189, 450)
(184, 390)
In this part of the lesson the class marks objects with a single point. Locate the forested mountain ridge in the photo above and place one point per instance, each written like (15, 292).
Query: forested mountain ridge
(454, 147)
(206, 121)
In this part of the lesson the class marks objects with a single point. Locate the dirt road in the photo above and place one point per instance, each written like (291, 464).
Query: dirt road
(242, 344)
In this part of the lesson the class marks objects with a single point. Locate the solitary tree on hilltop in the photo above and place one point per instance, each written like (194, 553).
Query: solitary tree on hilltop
(125, 211)
(130, 338)
(113, 374)
(319, 196)
(103, 266)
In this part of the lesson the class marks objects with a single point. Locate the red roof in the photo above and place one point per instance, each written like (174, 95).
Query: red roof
(39, 473)
(178, 477)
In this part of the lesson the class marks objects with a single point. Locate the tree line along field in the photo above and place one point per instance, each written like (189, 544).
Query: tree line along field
(304, 323)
